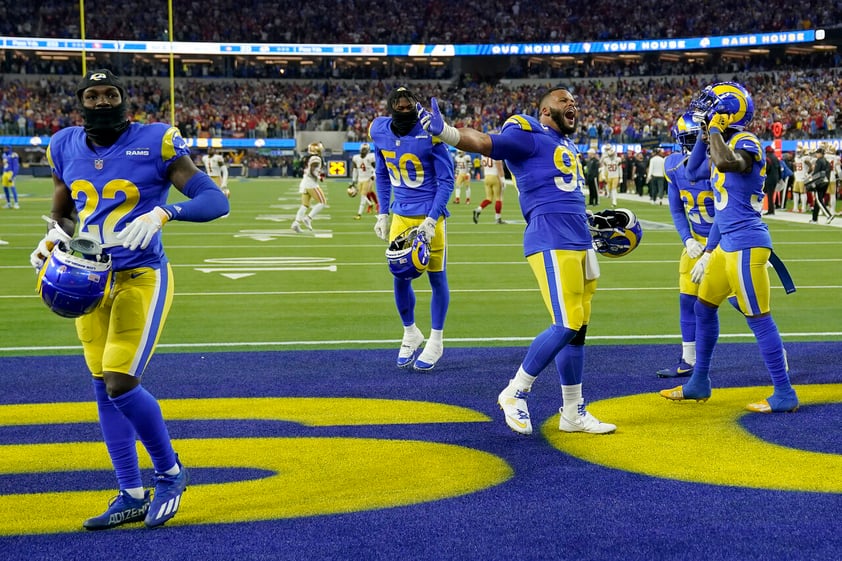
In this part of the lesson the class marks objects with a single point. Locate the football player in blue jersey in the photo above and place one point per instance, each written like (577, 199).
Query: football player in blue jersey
(557, 244)
(691, 206)
(11, 166)
(738, 248)
(414, 171)
(111, 180)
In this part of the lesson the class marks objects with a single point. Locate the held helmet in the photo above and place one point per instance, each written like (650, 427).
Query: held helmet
(724, 97)
(408, 255)
(75, 278)
(615, 232)
(686, 130)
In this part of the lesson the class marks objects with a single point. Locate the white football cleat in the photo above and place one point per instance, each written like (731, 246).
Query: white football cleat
(296, 227)
(515, 411)
(409, 345)
(584, 422)
(308, 223)
(430, 355)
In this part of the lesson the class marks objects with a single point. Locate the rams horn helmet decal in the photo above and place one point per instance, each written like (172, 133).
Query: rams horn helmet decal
(615, 232)
(724, 97)
(408, 255)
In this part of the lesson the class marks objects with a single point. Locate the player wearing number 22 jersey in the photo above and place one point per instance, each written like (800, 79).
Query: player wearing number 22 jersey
(118, 183)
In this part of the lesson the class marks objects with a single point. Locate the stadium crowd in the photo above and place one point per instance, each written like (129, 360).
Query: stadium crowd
(807, 103)
(429, 21)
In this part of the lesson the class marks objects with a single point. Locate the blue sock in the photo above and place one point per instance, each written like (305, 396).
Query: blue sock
(8, 197)
(570, 362)
(545, 347)
(120, 439)
(687, 317)
(15, 193)
(707, 333)
(772, 351)
(440, 300)
(142, 409)
(405, 301)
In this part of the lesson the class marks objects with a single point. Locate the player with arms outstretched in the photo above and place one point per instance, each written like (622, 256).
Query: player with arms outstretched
(739, 246)
(557, 243)
(111, 181)
(415, 172)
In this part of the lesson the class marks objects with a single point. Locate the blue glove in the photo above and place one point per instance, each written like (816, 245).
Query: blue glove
(431, 121)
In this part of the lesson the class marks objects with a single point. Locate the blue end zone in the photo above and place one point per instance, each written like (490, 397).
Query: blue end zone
(554, 506)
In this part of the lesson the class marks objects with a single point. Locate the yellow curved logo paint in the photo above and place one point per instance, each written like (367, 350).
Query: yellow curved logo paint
(704, 442)
(310, 475)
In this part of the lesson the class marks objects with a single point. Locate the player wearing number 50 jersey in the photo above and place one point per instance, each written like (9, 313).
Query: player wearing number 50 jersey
(414, 180)
(111, 181)
(557, 243)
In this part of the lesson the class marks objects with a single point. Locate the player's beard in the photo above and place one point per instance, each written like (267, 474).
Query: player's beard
(558, 118)
(104, 126)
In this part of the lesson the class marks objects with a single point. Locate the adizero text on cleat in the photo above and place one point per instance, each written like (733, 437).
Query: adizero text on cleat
(122, 509)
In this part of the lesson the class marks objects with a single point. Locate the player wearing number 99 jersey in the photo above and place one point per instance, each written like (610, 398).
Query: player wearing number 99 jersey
(111, 180)
(557, 243)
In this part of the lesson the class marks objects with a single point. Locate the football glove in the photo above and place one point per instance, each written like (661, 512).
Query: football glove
(694, 248)
(698, 271)
(428, 228)
(140, 231)
(46, 245)
(381, 227)
(719, 122)
(432, 122)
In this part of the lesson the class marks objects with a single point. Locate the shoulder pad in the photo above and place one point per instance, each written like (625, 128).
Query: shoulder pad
(746, 141)
(523, 122)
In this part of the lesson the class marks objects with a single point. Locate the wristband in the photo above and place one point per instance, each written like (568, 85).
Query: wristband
(450, 135)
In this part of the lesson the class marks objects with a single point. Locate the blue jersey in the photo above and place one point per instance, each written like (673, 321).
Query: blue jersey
(111, 186)
(416, 168)
(691, 202)
(739, 223)
(11, 162)
(550, 182)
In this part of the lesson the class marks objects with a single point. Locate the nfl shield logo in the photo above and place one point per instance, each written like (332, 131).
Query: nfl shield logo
(98, 164)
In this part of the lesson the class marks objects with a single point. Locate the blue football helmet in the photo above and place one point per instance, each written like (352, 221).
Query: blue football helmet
(686, 130)
(616, 232)
(408, 255)
(724, 97)
(75, 278)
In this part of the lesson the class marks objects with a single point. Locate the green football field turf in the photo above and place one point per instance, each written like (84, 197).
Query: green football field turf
(248, 282)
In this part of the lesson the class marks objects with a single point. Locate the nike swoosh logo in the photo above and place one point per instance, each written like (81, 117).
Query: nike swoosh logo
(521, 424)
(683, 370)
(135, 275)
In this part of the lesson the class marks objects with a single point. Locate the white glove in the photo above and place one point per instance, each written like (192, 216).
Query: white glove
(428, 228)
(381, 227)
(140, 231)
(698, 270)
(694, 248)
(45, 246)
(433, 122)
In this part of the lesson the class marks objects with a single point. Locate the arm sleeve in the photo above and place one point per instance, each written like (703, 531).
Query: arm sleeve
(206, 201)
(444, 180)
(677, 208)
(713, 237)
(382, 183)
(698, 165)
(512, 144)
